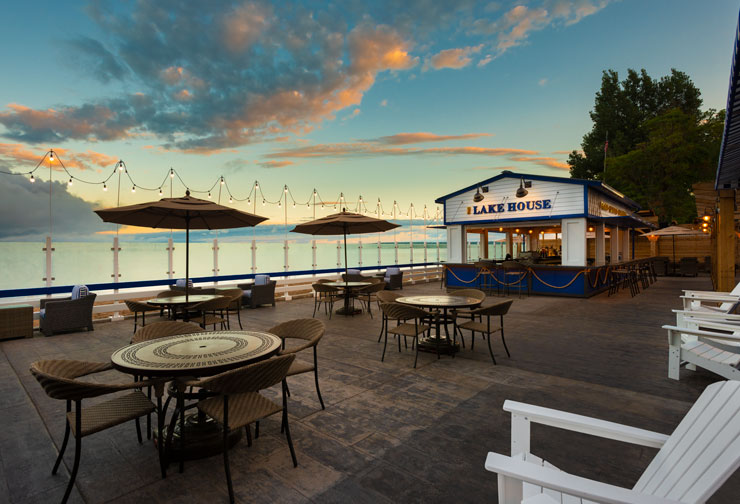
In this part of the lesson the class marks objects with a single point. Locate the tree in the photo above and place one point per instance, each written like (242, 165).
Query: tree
(621, 110)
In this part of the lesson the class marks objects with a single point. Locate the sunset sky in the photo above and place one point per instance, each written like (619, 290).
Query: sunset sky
(402, 101)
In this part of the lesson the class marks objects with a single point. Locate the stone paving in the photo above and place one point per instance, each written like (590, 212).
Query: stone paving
(390, 433)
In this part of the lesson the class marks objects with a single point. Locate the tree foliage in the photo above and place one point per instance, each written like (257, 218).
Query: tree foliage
(659, 141)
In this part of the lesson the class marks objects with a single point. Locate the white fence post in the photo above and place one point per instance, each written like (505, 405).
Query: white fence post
(48, 250)
(359, 250)
(170, 250)
(254, 256)
(339, 254)
(286, 248)
(314, 264)
(215, 259)
(116, 275)
(380, 255)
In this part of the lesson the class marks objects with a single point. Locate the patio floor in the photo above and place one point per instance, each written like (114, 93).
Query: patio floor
(390, 433)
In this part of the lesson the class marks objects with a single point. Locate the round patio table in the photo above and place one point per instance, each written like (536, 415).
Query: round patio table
(180, 302)
(444, 302)
(188, 355)
(347, 287)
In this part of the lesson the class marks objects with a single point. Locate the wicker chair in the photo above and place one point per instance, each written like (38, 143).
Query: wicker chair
(66, 314)
(465, 313)
(166, 294)
(310, 332)
(385, 296)
(393, 277)
(402, 313)
(368, 295)
(135, 307)
(485, 328)
(235, 305)
(255, 295)
(326, 294)
(240, 404)
(59, 380)
(212, 312)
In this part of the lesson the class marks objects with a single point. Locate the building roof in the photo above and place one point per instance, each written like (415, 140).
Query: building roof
(728, 168)
(596, 185)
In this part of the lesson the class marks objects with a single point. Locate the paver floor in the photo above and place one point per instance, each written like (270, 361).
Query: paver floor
(389, 433)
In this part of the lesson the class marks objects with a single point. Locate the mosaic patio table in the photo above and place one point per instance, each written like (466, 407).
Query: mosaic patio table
(348, 287)
(444, 303)
(195, 355)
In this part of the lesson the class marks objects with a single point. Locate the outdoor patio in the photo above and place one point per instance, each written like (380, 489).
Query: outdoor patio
(390, 433)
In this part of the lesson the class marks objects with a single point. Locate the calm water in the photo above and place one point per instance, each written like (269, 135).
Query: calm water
(23, 263)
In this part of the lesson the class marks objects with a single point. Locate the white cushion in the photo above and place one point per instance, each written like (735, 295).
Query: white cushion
(79, 291)
(261, 279)
(353, 272)
(181, 282)
(392, 271)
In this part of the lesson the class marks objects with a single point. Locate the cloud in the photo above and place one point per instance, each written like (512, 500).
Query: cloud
(18, 157)
(486, 60)
(73, 217)
(454, 58)
(549, 162)
(384, 103)
(97, 60)
(542, 82)
(366, 149)
(411, 138)
(275, 164)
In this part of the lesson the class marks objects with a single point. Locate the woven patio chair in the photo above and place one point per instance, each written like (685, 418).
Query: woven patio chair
(385, 296)
(135, 307)
(239, 403)
(166, 294)
(499, 309)
(326, 294)
(59, 380)
(402, 314)
(235, 305)
(66, 314)
(309, 331)
(212, 312)
(465, 313)
(368, 295)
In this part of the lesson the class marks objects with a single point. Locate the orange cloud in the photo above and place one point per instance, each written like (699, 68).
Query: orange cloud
(411, 138)
(89, 122)
(129, 230)
(373, 149)
(276, 164)
(454, 58)
(543, 161)
(18, 155)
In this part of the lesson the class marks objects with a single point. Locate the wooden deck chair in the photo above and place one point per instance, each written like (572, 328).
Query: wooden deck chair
(713, 346)
(691, 465)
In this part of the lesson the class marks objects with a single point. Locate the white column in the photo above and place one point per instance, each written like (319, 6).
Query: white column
(600, 248)
(254, 256)
(614, 244)
(215, 259)
(574, 247)
(456, 244)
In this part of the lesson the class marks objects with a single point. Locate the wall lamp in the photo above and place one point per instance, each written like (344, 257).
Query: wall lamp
(478, 197)
(522, 192)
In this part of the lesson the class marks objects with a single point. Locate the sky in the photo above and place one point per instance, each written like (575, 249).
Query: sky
(385, 101)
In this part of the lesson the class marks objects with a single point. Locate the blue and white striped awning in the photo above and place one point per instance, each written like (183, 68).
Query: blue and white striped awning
(728, 169)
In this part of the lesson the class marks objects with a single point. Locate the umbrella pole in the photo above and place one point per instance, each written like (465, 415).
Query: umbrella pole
(187, 256)
(674, 255)
(345, 250)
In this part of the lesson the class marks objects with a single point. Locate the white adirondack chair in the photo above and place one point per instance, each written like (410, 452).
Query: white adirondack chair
(691, 465)
(710, 301)
(718, 352)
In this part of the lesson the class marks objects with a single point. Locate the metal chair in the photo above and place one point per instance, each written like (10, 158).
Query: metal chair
(385, 296)
(235, 305)
(499, 309)
(310, 331)
(326, 294)
(212, 312)
(402, 314)
(135, 307)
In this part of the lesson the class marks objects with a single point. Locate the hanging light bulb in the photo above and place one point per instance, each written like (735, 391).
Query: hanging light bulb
(120, 165)
(280, 203)
(32, 180)
(105, 187)
(222, 180)
(70, 181)
(308, 205)
(172, 173)
(209, 194)
(256, 185)
(133, 189)
(160, 191)
(263, 201)
(51, 155)
(285, 190)
(230, 199)
(248, 200)
(294, 204)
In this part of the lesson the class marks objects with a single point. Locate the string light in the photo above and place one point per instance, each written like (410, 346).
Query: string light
(230, 199)
(105, 187)
(70, 181)
(32, 179)
(133, 189)
(263, 201)
(222, 180)
(160, 191)
(120, 165)
(285, 190)
(51, 155)
(248, 201)
(209, 194)
(172, 173)
(256, 185)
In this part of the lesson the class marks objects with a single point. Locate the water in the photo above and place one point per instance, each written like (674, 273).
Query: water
(92, 262)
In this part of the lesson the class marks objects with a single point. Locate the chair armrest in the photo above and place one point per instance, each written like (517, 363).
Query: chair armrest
(712, 315)
(518, 469)
(586, 425)
(717, 297)
(45, 301)
(703, 334)
(245, 286)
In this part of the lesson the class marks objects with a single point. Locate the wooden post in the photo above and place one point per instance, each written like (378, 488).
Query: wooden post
(726, 241)
(600, 245)
(484, 239)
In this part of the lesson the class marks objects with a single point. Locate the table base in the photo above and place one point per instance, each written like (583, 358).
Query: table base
(349, 311)
(203, 438)
(446, 346)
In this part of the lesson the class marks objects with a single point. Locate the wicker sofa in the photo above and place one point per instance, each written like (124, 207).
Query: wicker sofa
(66, 314)
(258, 293)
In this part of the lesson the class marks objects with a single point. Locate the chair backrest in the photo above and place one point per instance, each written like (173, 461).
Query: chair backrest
(79, 291)
(180, 282)
(169, 293)
(136, 306)
(57, 377)
(235, 295)
(702, 452)
(251, 378)
(392, 271)
(473, 293)
(220, 303)
(320, 287)
(163, 329)
(352, 271)
(373, 288)
(501, 308)
(261, 279)
(388, 296)
(398, 311)
(305, 329)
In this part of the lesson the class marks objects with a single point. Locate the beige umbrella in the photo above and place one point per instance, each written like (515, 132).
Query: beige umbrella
(344, 223)
(181, 213)
(673, 231)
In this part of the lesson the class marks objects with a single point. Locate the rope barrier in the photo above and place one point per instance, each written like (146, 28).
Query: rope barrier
(486, 271)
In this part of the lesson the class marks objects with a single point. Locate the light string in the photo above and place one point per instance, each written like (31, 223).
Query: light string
(286, 194)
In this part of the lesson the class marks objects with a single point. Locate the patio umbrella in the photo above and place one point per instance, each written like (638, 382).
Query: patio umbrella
(344, 223)
(181, 213)
(673, 231)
